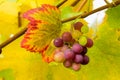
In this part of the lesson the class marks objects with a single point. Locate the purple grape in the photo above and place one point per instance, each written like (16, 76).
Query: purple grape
(78, 25)
(85, 60)
(69, 54)
(65, 47)
(76, 67)
(77, 48)
(67, 63)
(66, 36)
(58, 42)
(84, 51)
(78, 58)
(89, 43)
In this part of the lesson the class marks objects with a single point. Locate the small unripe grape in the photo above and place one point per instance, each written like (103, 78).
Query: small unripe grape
(83, 40)
(59, 57)
(76, 34)
(67, 63)
(78, 58)
(85, 29)
(77, 48)
(89, 43)
(78, 25)
(69, 54)
(76, 67)
(58, 42)
(85, 60)
(66, 36)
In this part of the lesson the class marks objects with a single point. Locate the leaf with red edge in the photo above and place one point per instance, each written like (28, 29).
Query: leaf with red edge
(44, 26)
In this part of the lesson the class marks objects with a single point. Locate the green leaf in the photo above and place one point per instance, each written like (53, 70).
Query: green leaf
(7, 74)
(114, 17)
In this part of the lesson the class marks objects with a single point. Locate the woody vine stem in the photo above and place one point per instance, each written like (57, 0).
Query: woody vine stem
(20, 33)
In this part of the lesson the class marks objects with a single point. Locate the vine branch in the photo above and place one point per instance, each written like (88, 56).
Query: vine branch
(113, 4)
(17, 35)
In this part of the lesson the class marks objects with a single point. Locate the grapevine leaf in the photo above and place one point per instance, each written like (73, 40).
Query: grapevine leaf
(44, 26)
(7, 74)
(114, 17)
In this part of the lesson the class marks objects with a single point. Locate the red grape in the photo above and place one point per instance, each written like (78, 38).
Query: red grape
(78, 58)
(78, 25)
(58, 42)
(89, 43)
(76, 67)
(77, 48)
(85, 60)
(84, 51)
(67, 63)
(69, 54)
(66, 36)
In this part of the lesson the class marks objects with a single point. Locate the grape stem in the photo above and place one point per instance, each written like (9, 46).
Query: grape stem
(20, 33)
(106, 1)
(75, 3)
(17, 35)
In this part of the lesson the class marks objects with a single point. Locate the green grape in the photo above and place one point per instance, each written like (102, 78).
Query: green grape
(76, 34)
(84, 29)
(82, 40)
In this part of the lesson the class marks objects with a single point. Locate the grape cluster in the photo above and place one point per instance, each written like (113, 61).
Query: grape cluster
(72, 52)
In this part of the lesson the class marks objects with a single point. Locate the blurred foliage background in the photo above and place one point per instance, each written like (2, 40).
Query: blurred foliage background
(18, 64)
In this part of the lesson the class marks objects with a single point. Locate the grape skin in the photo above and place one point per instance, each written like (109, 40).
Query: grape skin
(78, 25)
(77, 48)
(78, 58)
(66, 36)
(85, 60)
(76, 67)
(69, 54)
(59, 57)
(89, 43)
(58, 42)
(67, 63)
(84, 51)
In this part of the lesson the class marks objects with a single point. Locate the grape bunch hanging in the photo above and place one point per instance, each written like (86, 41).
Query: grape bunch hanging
(71, 51)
